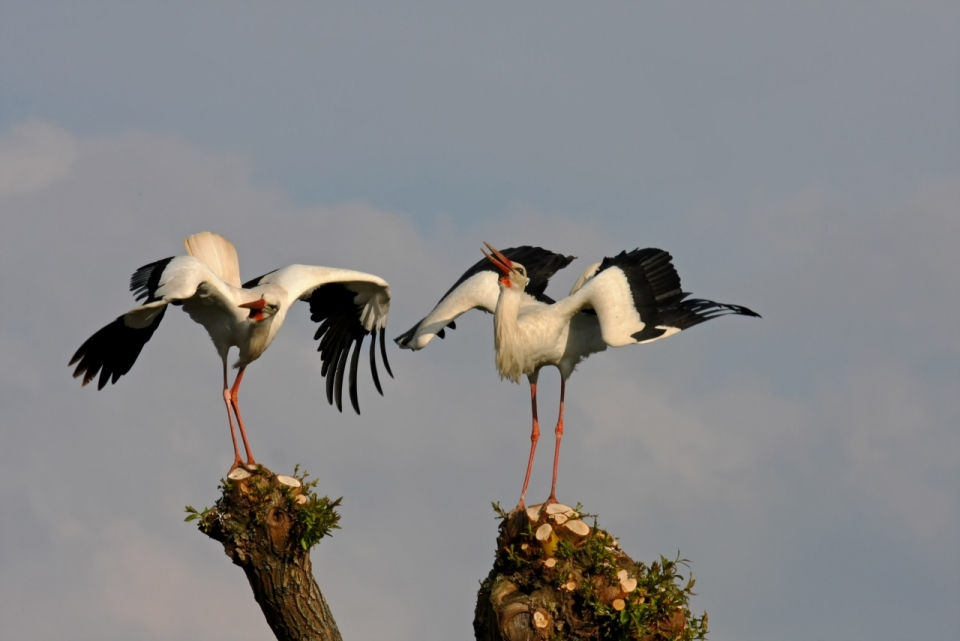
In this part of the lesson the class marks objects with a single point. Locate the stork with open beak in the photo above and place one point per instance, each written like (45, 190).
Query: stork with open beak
(348, 304)
(633, 297)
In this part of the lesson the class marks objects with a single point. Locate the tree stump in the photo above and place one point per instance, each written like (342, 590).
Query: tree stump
(267, 524)
(556, 577)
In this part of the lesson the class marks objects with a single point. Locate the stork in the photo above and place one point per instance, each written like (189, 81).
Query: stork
(633, 297)
(206, 284)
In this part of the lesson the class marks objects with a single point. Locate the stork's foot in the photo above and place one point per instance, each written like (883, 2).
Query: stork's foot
(237, 462)
(251, 465)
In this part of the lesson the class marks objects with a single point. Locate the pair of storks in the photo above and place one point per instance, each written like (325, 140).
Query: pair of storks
(633, 297)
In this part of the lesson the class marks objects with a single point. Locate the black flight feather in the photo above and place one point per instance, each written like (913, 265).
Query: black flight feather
(113, 350)
(145, 281)
(353, 374)
(383, 350)
(373, 363)
(658, 297)
(250, 284)
(340, 330)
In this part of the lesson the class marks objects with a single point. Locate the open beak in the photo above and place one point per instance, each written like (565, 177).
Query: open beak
(257, 304)
(500, 261)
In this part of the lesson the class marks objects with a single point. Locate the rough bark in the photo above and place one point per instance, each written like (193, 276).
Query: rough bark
(576, 583)
(267, 527)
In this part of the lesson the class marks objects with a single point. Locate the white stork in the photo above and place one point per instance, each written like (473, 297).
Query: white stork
(634, 297)
(348, 304)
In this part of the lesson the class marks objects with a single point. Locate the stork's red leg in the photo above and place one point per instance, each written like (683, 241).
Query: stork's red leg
(534, 437)
(556, 452)
(233, 434)
(236, 408)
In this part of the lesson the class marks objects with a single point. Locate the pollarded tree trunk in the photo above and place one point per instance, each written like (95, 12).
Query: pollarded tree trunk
(267, 524)
(556, 577)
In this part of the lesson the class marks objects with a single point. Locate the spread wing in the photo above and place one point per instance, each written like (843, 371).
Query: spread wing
(478, 289)
(349, 305)
(113, 350)
(637, 298)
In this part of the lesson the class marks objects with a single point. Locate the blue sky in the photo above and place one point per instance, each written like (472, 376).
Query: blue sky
(801, 159)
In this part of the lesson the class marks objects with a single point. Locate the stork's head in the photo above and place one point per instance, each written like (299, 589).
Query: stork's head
(512, 274)
(263, 308)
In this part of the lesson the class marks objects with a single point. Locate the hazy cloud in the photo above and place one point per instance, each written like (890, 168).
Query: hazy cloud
(33, 156)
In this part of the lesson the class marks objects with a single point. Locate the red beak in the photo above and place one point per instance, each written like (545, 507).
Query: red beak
(257, 304)
(500, 261)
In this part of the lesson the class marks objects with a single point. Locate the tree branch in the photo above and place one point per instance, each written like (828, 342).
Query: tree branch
(267, 524)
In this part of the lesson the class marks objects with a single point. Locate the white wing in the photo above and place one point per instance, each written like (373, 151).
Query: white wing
(637, 299)
(113, 350)
(477, 289)
(348, 305)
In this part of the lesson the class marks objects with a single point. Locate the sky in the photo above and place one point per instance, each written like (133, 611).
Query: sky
(802, 159)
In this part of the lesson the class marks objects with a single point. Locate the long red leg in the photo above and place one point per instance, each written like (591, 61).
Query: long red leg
(556, 452)
(534, 437)
(236, 408)
(233, 434)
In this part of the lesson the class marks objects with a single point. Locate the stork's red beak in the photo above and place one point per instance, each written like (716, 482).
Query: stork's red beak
(500, 261)
(257, 304)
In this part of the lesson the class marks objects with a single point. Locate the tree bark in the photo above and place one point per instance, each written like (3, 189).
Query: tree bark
(555, 577)
(267, 525)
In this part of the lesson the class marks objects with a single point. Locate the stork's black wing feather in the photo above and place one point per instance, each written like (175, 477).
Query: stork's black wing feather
(541, 265)
(145, 281)
(113, 350)
(657, 296)
(253, 282)
(333, 306)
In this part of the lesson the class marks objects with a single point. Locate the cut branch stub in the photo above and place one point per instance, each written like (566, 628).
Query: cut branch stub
(559, 508)
(533, 513)
(288, 481)
(238, 474)
(268, 530)
(578, 527)
(548, 538)
(626, 582)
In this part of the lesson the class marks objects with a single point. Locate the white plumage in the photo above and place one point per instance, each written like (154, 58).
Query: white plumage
(348, 304)
(634, 297)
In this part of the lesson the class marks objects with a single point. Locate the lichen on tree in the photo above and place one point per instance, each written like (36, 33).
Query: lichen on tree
(267, 524)
(556, 577)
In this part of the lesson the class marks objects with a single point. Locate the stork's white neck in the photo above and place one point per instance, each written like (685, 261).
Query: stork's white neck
(260, 336)
(506, 333)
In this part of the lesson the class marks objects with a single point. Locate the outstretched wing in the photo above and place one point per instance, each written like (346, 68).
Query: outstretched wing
(637, 299)
(113, 350)
(348, 305)
(477, 289)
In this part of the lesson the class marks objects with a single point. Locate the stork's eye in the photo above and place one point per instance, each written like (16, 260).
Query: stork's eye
(521, 271)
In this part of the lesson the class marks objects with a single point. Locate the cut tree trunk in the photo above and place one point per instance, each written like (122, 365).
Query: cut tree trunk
(556, 577)
(267, 524)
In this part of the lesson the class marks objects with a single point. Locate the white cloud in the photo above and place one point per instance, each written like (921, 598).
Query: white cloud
(33, 156)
